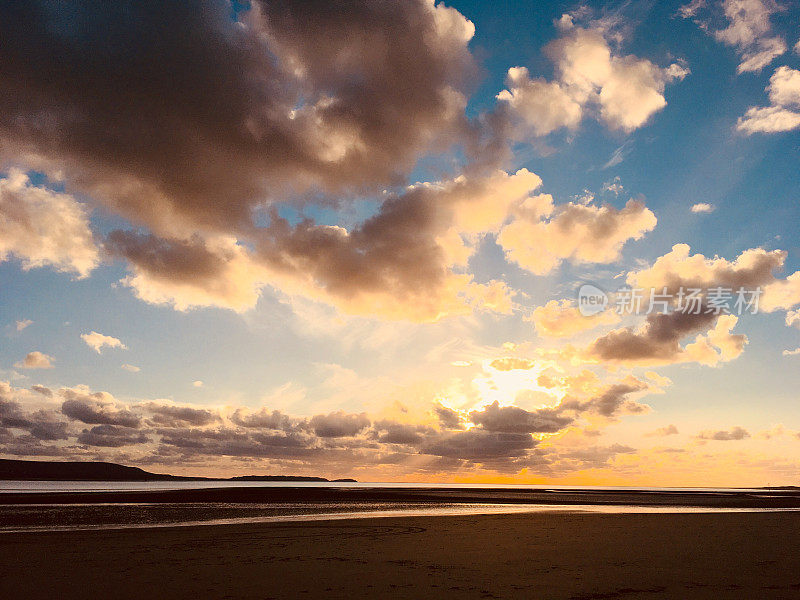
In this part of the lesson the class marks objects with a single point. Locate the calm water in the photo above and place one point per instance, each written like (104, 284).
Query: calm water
(91, 517)
(140, 486)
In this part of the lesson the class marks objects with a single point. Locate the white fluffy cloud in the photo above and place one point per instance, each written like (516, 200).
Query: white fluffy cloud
(24, 324)
(702, 207)
(625, 90)
(98, 341)
(36, 360)
(561, 318)
(544, 235)
(44, 228)
(544, 106)
(750, 32)
(753, 268)
(405, 262)
(783, 114)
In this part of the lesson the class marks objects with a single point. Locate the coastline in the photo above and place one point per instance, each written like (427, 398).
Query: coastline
(766, 498)
(553, 555)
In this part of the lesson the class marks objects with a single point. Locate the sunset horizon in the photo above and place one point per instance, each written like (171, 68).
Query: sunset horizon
(399, 299)
(386, 243)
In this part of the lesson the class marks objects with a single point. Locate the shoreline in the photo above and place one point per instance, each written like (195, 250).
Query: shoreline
(767, 498)
(73, 511)
(540, 555)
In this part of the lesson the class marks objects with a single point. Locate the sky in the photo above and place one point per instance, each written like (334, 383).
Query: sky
(404, 241)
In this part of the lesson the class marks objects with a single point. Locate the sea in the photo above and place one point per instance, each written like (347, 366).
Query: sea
(89, 516)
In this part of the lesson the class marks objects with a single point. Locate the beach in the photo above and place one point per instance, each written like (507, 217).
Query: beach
(540, 555)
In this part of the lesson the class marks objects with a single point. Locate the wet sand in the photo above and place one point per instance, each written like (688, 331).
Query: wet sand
(761, 498)
(541, 555)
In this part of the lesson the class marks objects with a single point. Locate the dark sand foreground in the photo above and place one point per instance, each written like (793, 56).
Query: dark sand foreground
(543, 555)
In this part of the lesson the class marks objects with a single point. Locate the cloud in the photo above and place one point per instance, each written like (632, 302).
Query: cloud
(197, 384)
(793, 318)
(131, 368)
(751, 270)
(96, 408)
(561, 318)
(592, 457)
(478, 445)
(783, 114)
(611, 401)
(625, 90)
(40, 425)
(614, 186)
(286, 96)
(664, 431)
(658, 340)
(784, 87)
(263, 419)
(543, 106)
(44, 228)
(392, 432)
(98, 341)
(768, 119)
(24, 324)
(502, 438)
(544, 235)
(448, 418)
(794, 352)
(188, 273)
(111, 436)
(418, 240)
(35, 360)
(749, 31)
(737, 433)
(690, 10)
(511, 419)
(702, 207)
(169, 415)
(511, 364)
(339, 424)
(618, 155)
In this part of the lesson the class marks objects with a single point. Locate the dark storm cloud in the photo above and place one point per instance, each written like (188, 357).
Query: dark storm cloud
(11, 415)
(339, 424)
(263, 419)
(448, 418)
(231, 442)
(176, 113)
(28, 445)
(111, 436)
(44, 391)
(96, 409)
(501, 438)
(612, 401)
(479, 445)
(392, 432)
(176, 260)
(46, 426)
(395, 250)
(512, 419)
(41, 425)
(658, 339)
(164, 415)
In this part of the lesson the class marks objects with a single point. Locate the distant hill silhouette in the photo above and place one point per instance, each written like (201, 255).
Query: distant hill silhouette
(39, 470)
